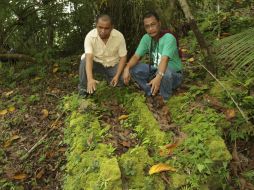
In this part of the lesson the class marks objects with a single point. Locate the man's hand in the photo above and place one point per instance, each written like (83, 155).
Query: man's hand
(114, 81)
(155, 84)
(126, 75)
(91, 86)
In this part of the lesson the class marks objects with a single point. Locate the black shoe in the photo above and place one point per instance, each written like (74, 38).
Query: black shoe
(83, 93)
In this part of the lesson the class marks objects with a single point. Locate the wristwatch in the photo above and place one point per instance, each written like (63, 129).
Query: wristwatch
(160, 73)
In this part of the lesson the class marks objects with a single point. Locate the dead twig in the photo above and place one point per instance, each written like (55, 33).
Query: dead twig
(52, 128)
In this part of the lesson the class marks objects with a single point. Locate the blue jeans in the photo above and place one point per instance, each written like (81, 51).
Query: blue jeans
(170, 81)
(107, 72)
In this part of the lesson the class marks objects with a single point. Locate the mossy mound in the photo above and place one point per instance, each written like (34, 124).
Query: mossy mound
(201, 157)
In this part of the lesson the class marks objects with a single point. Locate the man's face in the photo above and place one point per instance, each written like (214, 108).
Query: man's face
(152, 26)
(104, 28)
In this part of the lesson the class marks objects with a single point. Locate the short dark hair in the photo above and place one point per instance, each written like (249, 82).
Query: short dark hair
(104, 17)
(151, 14)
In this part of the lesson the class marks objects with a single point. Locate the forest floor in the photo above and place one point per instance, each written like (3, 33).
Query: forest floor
(32, 148)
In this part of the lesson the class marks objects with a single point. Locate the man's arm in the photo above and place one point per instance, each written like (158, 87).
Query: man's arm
(120, 67)
(155, 83)
(132, 62)
(91, 83)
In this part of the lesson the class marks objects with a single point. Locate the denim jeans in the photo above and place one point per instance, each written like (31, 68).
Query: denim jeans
(170, 81)
(107, 72)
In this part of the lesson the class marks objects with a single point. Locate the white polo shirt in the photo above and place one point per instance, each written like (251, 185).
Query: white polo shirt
(107, 54)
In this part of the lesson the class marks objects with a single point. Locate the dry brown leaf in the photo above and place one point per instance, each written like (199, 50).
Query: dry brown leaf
(230, 114)
(40, 173)
(123, 117)
(45, 113)
(63, 149)
(20, 176)
(11, 109)
(168, 149)
(9, 142)
(55, 69)
(160, 168)
(126, 144)
(3, 112)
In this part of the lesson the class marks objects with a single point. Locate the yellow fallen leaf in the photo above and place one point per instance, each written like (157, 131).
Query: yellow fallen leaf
(160, 168)
(191, 59)
(11, 109)
(55, 65)
(8, 142)
(19, 176)
(230, 113)
(123, 117)
(184, 50)
(45, 113)
(7, 94)
(37, 78)
(3, 112)
(55, 69)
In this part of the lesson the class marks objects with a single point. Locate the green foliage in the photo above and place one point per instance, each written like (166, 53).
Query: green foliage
(236, 52)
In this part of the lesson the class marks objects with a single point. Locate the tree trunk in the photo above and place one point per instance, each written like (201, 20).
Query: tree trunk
(205, 49)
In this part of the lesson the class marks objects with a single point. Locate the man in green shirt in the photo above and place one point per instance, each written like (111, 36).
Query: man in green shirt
(163, 74)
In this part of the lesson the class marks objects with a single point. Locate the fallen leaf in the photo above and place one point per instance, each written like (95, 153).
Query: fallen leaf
(44, 113)
(123, 117)
(19, 176)
(7, 94)
(9, 142)
(55, 69)
(191, 60)
(126, 144)
(184, 50)
(230, 114)
(160, 168)
(55, 65)
(168, 149)
(63, 149)
(37, 78)
(11, 109)
(50, 154)
(3, 112)
(40, 173)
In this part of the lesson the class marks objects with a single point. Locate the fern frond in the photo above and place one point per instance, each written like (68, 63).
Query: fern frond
(237, 52)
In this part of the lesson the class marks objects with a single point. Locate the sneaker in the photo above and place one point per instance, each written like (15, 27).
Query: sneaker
(83, 93)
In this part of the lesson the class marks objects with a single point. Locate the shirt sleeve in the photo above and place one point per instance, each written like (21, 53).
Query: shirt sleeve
(122, 51)
(169, 46)
(88, 44)
(143, 46)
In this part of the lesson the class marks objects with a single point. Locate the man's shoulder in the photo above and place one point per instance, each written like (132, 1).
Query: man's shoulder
(168, 36)
(117, 33)
(93, 33)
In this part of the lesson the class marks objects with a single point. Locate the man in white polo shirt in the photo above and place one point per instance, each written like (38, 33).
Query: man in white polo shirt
(105, 53)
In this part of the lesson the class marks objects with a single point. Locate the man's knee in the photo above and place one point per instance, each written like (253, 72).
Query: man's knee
(138, 69)
(168, 75)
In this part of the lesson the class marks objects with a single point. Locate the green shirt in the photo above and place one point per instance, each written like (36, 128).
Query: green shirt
(167, 46)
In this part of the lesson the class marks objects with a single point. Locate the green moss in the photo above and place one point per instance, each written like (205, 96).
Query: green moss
(134, 166)
(147, 124)
(178, 180)
(218, 150)
(93, 170)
